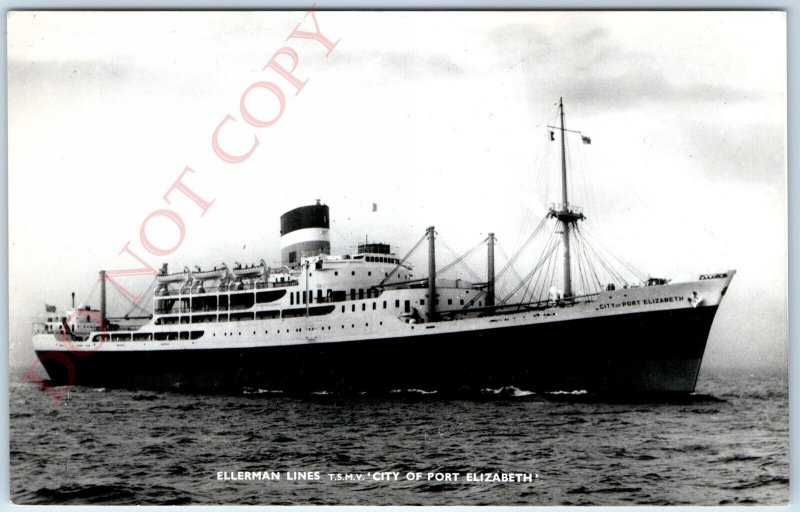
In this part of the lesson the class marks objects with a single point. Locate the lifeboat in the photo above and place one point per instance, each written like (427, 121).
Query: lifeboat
(178, 277)
(252, 271)
(209, 274)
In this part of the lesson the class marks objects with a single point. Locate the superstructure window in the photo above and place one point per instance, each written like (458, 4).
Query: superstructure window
(205, 303)
(242, 300)
(269, 296)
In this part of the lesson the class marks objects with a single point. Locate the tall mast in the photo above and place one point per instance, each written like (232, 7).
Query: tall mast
(431, 275)
(564, 202)
(103, 300)
(565, 214)
(565, 208)
(490, 272)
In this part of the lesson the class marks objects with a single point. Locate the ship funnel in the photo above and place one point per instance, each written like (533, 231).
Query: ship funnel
(305, 232)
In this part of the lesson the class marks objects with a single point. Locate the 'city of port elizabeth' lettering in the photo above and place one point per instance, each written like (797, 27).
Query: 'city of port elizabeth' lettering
(645, 302)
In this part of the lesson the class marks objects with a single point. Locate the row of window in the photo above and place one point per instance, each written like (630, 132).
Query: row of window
(244, 316)
(331, 295)
(297, 329)
(295, 298)
(369, 273)
(406, 305)
(149, 336)
(222, 302)
(382, 259)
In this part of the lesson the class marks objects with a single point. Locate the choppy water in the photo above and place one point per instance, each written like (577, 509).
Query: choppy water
(726, 445)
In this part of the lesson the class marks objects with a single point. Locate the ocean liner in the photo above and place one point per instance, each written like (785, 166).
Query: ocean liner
(368, 322)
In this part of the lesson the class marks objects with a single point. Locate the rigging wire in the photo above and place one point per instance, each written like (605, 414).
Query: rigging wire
(527, 277)
(146, 294)
(539, 168)
(615, 275)
(519, 251)
(630, 268)
(552, 238)
(460, 259)
(91, 293)
(405, 258)
(500, 284)
(583, 244)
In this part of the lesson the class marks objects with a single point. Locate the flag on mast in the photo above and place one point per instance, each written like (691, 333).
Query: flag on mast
(586, 140)
(49, 308)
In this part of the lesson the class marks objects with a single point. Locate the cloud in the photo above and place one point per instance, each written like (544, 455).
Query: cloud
(636, 87)
(396, 65)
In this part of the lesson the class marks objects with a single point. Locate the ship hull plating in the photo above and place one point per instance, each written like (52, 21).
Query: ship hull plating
(628, 354)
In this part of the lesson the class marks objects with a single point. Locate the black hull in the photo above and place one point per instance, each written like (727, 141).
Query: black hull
(631, 354)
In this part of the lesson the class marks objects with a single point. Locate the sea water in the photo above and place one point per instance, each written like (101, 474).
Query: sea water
(726, 444)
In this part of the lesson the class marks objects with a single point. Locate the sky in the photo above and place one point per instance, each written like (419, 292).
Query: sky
(439, 118)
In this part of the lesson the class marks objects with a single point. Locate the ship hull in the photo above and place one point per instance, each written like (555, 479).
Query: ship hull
(638, 353)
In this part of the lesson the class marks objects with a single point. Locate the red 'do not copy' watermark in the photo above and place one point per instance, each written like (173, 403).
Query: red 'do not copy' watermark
(284, 62)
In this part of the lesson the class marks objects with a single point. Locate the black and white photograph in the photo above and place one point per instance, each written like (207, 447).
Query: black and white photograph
(329, 257)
